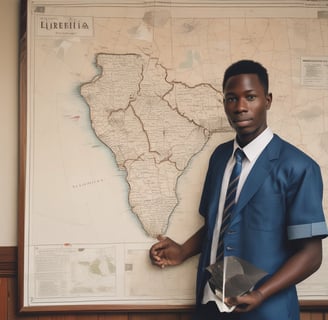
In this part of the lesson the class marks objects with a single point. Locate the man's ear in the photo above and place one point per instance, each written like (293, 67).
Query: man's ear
(269, 100)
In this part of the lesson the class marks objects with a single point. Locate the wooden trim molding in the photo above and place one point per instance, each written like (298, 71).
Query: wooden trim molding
(8, 261)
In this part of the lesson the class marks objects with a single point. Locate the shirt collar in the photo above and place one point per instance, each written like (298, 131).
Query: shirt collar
(253, 149)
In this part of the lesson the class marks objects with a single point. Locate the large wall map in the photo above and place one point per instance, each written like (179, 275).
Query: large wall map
(124, 110)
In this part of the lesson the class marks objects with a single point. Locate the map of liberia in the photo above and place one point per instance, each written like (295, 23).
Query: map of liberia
(153, 127)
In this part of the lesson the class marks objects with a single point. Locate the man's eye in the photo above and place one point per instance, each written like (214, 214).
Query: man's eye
(230, 99)
(250, 98)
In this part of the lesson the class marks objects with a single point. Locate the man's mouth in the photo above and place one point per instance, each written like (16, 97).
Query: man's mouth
(241, 121)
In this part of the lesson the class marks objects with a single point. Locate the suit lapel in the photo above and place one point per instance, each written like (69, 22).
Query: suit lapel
(259, 172)
(221, 164)
(212, 187)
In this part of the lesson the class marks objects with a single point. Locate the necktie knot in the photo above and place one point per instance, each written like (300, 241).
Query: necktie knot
(239, 155)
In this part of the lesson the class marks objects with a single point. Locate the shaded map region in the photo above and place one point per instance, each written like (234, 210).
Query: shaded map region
(153, 126)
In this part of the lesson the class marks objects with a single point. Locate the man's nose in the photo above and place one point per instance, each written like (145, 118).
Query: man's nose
(241, 105)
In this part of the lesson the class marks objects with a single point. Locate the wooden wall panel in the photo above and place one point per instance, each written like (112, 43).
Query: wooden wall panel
(185, 316)
(150, 316)
(9, 299)
(3, 298)
(8, 261)
(313, 315)
(113, 317)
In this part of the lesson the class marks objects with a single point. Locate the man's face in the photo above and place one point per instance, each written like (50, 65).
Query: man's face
(246, 105)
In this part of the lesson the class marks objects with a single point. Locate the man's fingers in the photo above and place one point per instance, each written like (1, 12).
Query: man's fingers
(231, 301)
(160, 237)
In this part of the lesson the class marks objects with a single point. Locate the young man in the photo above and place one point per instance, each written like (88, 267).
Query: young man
(277, 221)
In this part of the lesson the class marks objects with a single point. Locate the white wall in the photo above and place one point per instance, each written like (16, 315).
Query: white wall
(9, 28)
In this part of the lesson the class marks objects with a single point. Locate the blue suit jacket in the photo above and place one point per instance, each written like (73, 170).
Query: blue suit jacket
(281, 200)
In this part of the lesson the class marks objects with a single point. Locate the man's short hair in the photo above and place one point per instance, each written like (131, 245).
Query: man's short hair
(247, 67)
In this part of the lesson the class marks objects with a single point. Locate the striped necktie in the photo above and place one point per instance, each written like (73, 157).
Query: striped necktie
(230, 200)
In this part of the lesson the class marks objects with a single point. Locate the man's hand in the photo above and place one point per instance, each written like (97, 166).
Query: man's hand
(166, 252)
(246, 302)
